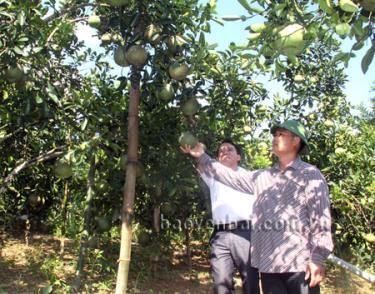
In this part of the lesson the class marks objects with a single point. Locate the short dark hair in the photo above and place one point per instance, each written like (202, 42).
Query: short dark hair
(230, 141)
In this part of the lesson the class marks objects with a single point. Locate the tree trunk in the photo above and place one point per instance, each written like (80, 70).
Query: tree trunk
(64, 212)
(87, 222)
(129, 190)
(188, 249)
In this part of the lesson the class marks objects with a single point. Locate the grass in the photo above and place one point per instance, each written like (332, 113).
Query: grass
(29, 269)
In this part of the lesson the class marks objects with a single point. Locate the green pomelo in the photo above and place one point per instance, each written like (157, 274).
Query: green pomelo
(136, 55)
(328, 123)
(120, 56)
(175, 42)
(253, 36)
(153, 34)
(166, 92)
(188, 139)
(116, 38)
(299, 78)
(14, 74)
(369, 237)
(258, 27)
(178, 71)
(94, 21)
(290, 40)
(348, 6)
(191, 107)
(106, 38)
(63, 170)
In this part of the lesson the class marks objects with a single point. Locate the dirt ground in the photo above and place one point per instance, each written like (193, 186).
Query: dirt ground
(28, 269)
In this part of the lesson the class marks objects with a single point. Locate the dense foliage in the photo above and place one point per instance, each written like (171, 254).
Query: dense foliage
(63, 135)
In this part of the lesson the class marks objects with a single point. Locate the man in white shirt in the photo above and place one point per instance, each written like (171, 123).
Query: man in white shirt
(230, 241)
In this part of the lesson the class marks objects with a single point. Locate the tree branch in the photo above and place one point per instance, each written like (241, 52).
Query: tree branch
(67, 9)
(43, 157)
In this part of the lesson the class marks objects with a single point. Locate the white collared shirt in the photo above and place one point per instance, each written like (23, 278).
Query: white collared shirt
(228, 205)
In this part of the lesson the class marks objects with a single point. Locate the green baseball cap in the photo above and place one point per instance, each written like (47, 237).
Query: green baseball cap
(296, 128)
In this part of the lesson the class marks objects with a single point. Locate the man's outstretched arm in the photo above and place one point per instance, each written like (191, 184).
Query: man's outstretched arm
(240, 180)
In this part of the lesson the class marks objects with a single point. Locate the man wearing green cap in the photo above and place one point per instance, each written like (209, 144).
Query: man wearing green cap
(291, 236)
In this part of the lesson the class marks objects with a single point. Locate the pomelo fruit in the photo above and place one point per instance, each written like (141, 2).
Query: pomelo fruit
(136, 55)
(120, 56)
(178, 71)
(191, 107)
(63, 170)
(299, 78)
(166, 92)
(290, 40)
(153, 34)
(188, 139)
(175, 42)
(348, 6)
(328, 123)
(258, 27)
(14, 74)
(369, 237)
(106, 38)
(94, 21)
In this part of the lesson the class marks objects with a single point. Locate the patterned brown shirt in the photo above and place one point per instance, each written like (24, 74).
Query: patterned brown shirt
(291, 215)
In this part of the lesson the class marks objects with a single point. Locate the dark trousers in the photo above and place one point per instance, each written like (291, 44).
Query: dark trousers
(230, 250)
(287, 283)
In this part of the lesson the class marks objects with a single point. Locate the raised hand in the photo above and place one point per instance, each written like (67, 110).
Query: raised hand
(197, 151)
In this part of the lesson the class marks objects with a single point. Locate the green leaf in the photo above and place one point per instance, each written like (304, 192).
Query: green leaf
(84, 124)
(23, 39)
(51, 91)
(342, 56)
(279, 8)
(37, 49)
(18, 50)
(21, 18)
(47, 289)
(38, 99)
(342, 29)
(202, 40)
(5, 95)
(326, 6)
(245, 5)
(212, 46)
(231, 17)
(367, 59)
(358, 46)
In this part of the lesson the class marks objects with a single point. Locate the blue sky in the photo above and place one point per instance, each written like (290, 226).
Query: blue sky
(358, 86)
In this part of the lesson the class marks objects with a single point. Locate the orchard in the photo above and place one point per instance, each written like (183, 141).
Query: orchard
(90, 135)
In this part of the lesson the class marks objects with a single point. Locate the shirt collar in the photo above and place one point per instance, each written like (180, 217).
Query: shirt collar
(295, 164)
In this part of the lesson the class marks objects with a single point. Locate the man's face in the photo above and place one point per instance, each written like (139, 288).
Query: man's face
(284, 142)
(227, 155)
